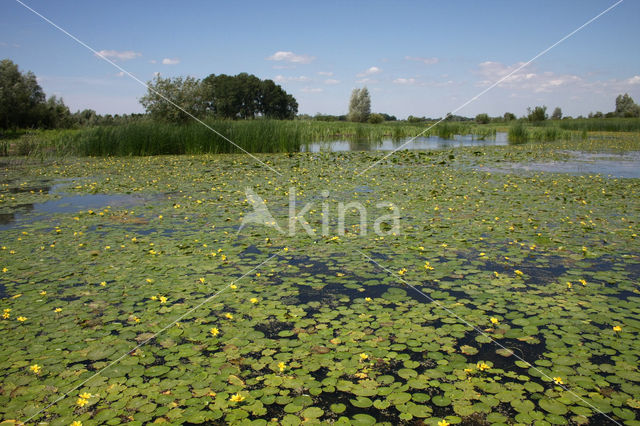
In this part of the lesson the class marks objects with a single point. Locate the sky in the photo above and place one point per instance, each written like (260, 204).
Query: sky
(421, 58)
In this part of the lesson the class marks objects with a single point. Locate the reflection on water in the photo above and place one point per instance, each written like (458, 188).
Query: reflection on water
(431, 142)
(581, 163)
(28, 213)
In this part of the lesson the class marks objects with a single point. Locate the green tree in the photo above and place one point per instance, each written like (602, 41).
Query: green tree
(482, 118)
(376, 118)
(538, 114)
(246, 96)
(626, 107)
(21, 97)
(508, 116)
(359, 105)
(557, 114)
(184, 92)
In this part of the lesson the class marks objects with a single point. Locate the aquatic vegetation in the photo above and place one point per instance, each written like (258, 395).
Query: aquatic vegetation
(465, 317)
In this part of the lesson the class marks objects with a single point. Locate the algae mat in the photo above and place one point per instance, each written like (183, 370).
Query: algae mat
(136, 296)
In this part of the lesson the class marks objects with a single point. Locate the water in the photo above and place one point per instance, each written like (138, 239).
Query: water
(68, 203)
(580, 163)
(421, 143)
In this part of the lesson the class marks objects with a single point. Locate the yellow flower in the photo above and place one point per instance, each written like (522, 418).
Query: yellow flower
(481, 365)
(482, 254)
(518, 272)
(57, 310)
(202, 280)
(43, 293)
(154, 297)
(617, 328)
(149, 280)
(367, 299)
(558, 380)
(136, 319)
(253, 300)
(364, 356)
(281, 366)
(85, 395)
(494, 320)
(223, 257)
(233, 286)
(76, 423)
(428, 266)
(236, 398)
(402, 271)
(35, 368)
(443, 422)
(6, 315)
(103, 283)
(81, 402)
(163, 299)
(22, 319)
(214, 331)
(4, 269)
(583, 282)
(569, 285)
(228, 315)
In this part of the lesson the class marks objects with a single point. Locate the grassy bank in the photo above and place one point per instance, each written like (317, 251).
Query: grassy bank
(151, 138)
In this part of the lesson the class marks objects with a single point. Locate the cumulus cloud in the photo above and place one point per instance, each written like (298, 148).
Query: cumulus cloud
(525, 78)
(366, 80)
(312, 89)
(170, 61)
(283, 79)
(426, 61)
(116, 55)
(634, 80)
(120, 74)
(331, 81)
(290, 57)
(370, 71)
(325, 73)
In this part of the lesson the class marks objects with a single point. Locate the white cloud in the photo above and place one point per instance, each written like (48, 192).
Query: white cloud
(524, 78)
(125, 55)
(120, 74)
(366, 80)
(312, 89)
(369, 71)
(634, 80)
(325, 73)
(170, 61)
(407, 81)
(283, 79)
(426, 61)
(331, 81)
(153, 61)
(290, 57)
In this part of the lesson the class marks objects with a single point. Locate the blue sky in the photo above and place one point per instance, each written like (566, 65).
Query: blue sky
(423, 58)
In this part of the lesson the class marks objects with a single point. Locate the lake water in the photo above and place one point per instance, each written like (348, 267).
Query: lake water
(421, 143)
(625, 165)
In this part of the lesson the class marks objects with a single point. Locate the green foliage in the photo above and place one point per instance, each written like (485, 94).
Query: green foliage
(482, 118)
(23, 104)
(165, 95)
(626, 107)
(509, 116)
(602, 124)
(359, 105)
(537, 115)
(518, 133)
(376, 118)
(557, 114)
(246, 96)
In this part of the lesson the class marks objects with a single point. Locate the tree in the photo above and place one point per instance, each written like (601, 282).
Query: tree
(246, 96)
(482, 118)
(557, 114)
(538, 114)
(359, 105)
(626, 107)
(376, 118)
(21, 97)
(508, 116)
(186, 92)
